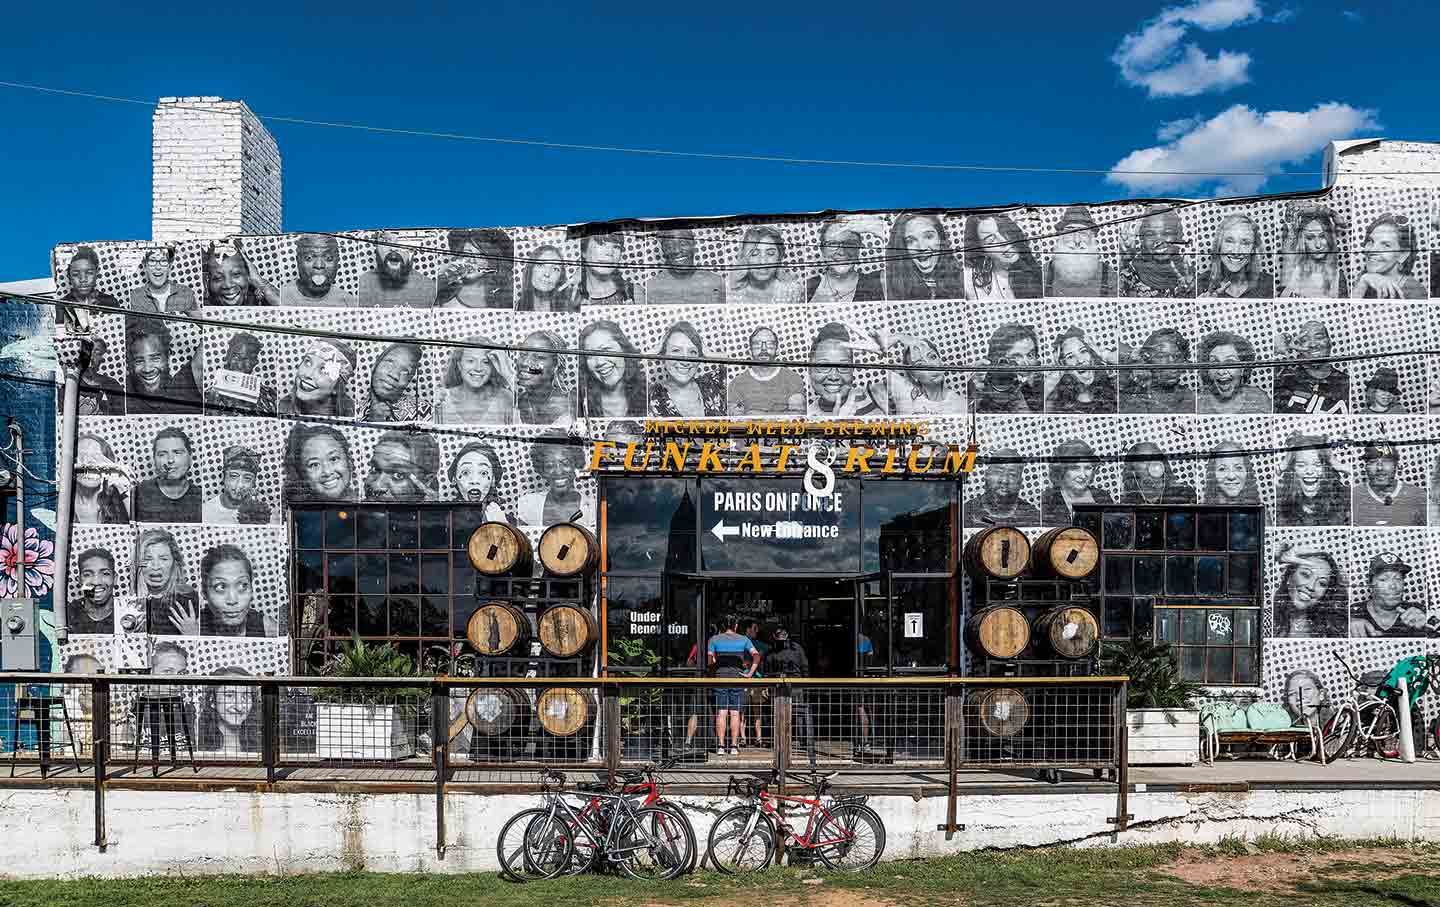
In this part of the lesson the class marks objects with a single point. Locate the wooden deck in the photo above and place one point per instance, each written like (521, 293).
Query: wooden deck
(419, 776)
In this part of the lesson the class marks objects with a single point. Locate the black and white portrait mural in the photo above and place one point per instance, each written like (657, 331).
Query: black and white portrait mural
(1229, 353)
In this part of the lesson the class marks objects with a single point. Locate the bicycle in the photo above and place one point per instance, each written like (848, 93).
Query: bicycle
(645, 842)
(641, 783)
(1365, 718)
(843, 832)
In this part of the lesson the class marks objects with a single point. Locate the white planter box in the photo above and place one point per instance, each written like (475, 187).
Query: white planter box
(1163, 736)
(360, 732)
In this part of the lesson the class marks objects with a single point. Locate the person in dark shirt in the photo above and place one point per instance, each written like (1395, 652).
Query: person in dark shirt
(169, 497)
(1148, 479)
(83, 274)
(150, 387)
(1388, 614)
(227, 586)
(1077, 268)
(1310, 387)
(100, 395)
(1311, 491)
(160, 583)
(1001, 504)
(1160, 391)
(842, 280)
(97, 593)
(1019, 392)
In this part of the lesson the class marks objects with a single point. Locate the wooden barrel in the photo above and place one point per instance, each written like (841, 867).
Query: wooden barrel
(1000, 552)
(999, 631)
(1003, 711)
(497, 548)
(493, 711)
(1069, 631)
(564, 711)
(567, 630)
(497, 627)
(1068, 552)
(568, 549)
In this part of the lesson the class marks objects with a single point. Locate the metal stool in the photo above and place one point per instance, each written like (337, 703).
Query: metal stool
(40, 708)
(165, 713)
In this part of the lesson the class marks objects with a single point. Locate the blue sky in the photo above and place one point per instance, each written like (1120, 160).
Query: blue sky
(1199, 85)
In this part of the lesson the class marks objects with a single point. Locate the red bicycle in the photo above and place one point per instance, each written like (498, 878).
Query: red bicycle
(640, 783)
(843, 832)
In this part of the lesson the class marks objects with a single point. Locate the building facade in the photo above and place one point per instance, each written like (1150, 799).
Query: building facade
(290, 438)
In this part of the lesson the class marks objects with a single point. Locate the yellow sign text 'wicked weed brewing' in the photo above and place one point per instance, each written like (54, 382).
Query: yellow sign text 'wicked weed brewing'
(882, 447)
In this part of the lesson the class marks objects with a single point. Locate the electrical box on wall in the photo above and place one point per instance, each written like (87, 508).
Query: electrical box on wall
(19, 634)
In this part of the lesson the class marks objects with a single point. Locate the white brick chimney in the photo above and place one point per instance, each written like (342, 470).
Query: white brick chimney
(1382, 162)
(216, 171)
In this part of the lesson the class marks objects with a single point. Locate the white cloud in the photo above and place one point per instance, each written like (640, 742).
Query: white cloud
(1157, 58)
(1237, 139)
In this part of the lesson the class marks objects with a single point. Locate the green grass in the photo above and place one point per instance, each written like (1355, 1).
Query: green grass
(1129, 876)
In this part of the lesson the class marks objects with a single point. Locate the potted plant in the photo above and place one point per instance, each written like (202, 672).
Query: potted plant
(1160, 711)
(641, 724)
(367, 722)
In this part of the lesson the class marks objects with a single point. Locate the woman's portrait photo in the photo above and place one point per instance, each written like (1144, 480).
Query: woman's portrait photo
(475, 473)
(760, 275)
(227, 588)
(229, 716)
(1311, 491)
(611, 386)
(602, 279)
(1015, 389)
(557, 461)
(685, 389)
(161, 585)
(541, 397)
(544, 288)
(480, 276)
(841, 247)
(1230, 476)
(1085, 387)
(1305, 697)
(1153, 262)
(1311, 601)
(920, 389)
(321, 386)
(393, 395)
(1146, 477)
(230, 282)
(478, 387)
(1236, 265)
(150, 387)
(999, 263)
(1072, 481)
(1389, 261)
(157, 293)
(1310, 264)
(101, 484)
(832, 376)
(1226, 389)
(318, 465)
(922, 263)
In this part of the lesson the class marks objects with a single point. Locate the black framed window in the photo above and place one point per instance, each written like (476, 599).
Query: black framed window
(392, 574)
(1189, 576)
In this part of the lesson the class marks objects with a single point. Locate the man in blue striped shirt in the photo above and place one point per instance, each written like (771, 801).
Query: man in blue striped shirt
(729, 653)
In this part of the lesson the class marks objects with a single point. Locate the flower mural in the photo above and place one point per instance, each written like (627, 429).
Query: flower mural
(39, 563)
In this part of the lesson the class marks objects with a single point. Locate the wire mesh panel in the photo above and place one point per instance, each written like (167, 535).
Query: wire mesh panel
(46, 724)
(388, 725)
(505, 724)
(1050, 725)
(870, 724)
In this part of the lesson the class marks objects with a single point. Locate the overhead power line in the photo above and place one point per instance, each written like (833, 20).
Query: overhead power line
(675, 153)
(353, 337)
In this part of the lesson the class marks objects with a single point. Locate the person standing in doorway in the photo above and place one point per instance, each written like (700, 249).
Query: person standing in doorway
(728, 653)
(757, 698)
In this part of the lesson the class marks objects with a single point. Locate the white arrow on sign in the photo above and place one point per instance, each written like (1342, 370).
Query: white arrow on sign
(720, 530)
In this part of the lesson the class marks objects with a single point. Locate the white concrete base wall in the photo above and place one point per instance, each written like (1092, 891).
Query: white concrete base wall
(164, 832)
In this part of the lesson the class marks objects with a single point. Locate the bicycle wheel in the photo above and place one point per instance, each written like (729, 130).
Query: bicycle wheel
(1337, 734)
(732, 849)
(534, 845)
(862, 835)
(691, 847)
(652, 845)
(1385, 733)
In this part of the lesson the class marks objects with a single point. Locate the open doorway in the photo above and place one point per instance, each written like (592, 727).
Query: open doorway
(819, 614)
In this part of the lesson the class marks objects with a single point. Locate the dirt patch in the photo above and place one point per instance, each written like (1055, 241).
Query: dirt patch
(1283, 871)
